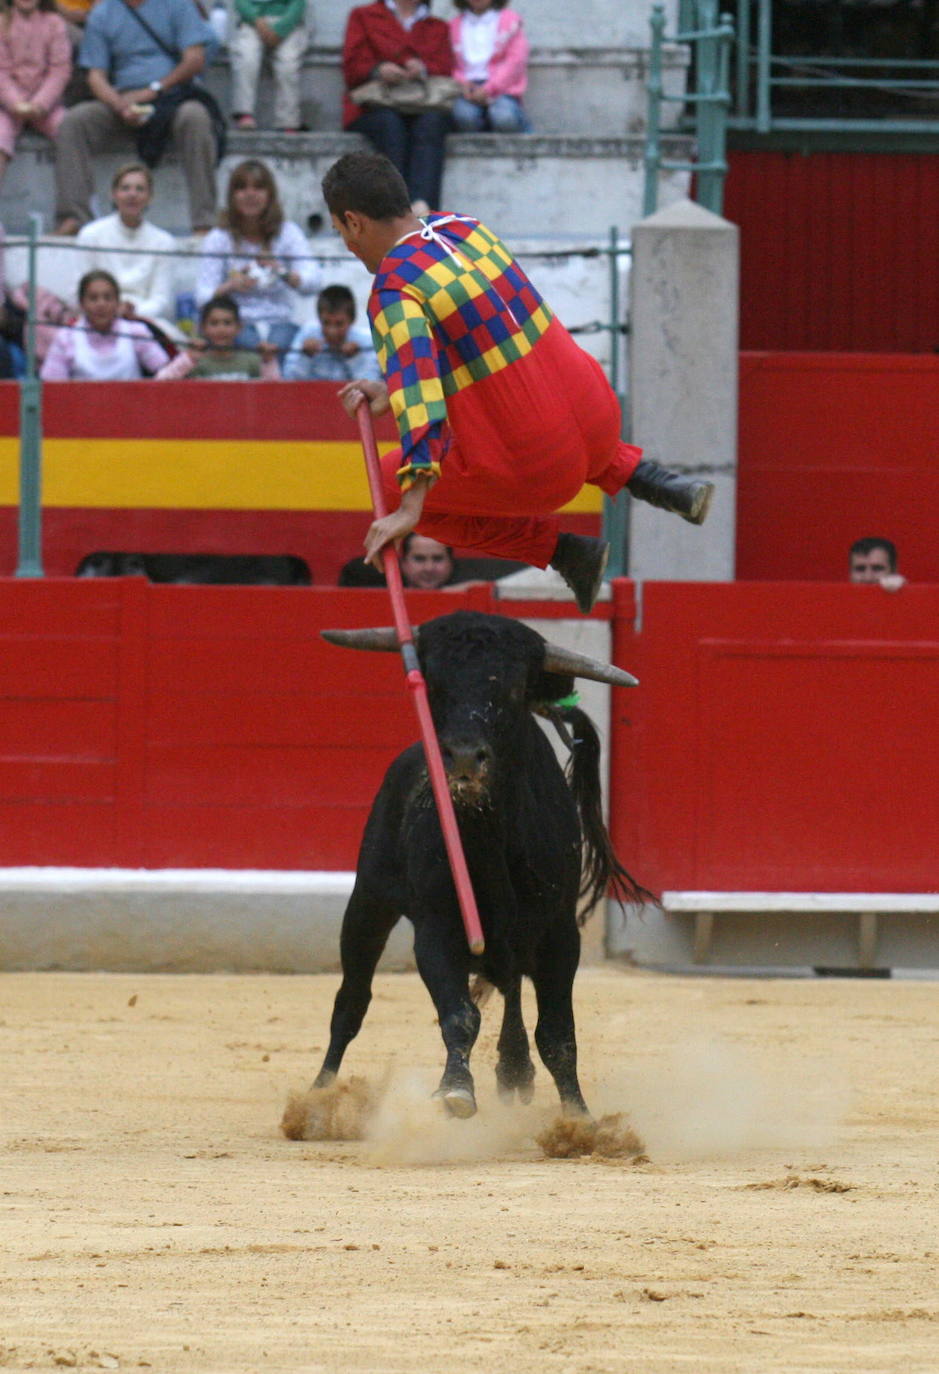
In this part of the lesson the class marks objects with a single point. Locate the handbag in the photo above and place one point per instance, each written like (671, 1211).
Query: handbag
(409, 97)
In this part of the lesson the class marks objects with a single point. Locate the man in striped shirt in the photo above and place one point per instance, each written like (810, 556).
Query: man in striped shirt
(502, 417)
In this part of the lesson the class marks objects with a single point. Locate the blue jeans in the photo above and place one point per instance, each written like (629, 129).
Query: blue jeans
(414, 143)
(504, 115)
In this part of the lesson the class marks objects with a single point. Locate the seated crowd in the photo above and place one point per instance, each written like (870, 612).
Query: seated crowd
(126, 75)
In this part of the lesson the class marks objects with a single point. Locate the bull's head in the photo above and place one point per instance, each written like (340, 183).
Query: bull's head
(484, 674)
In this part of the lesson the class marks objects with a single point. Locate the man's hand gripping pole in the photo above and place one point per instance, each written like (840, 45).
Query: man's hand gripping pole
(415, 680)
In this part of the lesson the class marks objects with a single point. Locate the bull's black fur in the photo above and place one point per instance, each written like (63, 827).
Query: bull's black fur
(534, 842)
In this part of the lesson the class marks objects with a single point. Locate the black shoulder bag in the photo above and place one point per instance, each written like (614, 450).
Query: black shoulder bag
(153, 136)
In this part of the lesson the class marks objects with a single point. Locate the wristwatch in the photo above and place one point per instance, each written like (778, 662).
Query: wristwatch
(156, 87)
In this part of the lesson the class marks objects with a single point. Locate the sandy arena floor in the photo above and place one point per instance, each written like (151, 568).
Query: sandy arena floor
(153, 1217)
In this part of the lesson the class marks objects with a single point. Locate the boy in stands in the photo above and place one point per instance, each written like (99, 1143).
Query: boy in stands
(214, 356)
(330, 348)
(502, 417)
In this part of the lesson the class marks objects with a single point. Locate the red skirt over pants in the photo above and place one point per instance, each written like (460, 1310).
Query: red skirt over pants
(522, 443)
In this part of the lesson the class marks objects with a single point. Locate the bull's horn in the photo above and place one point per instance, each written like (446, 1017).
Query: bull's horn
(558, 660)
(384, 639)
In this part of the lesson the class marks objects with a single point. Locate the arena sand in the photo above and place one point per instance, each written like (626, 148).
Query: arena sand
(153, 1216)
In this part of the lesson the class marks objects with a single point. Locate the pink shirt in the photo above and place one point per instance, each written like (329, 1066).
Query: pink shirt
(35, 59)
(80, 353)
(508, 67)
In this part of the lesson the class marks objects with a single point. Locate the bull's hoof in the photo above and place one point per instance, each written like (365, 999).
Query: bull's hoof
(458, 1101)
(324, 1079)
(510, 1084)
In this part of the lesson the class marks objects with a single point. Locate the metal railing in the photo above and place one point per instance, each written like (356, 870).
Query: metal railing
(29, 525)
(709, 34)
(760, 75)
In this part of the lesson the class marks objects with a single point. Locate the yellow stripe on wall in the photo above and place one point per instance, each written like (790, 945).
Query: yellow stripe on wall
(205, 474)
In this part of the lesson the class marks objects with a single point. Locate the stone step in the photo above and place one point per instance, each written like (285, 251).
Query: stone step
(520, 183)
(573, 90)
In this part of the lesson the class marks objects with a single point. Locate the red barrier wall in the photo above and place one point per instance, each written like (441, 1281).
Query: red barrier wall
(200, 467)
(837, 250)
(833, 447)
(783, 736)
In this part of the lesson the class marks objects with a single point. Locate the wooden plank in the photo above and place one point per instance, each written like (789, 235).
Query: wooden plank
(49, 781)
(867, 939)
(44, 727)
(57, 666)
(703, 934)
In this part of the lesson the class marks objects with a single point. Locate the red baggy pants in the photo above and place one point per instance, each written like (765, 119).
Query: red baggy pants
(523, 441)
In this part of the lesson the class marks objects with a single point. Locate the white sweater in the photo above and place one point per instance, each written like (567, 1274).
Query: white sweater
(272, 300)
(146, 281)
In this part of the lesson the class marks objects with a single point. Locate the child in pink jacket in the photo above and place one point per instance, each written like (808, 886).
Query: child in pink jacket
(35, 65)
(491, 65)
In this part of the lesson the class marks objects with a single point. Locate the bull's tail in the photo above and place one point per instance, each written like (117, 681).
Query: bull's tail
(601, 870)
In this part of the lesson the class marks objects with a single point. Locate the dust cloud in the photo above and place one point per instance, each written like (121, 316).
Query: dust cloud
(401, 1123)
(711, 1099)
(706, 1100)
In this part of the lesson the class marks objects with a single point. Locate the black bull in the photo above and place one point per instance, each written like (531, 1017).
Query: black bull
(534, 841)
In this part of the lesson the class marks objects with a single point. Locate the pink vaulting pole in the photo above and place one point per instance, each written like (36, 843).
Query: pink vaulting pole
(415, 680)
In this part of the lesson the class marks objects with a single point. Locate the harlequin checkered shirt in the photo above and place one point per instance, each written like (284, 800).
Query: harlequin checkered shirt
(449, 307)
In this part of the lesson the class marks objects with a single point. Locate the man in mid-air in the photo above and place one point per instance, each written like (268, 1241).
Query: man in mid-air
(502, 417)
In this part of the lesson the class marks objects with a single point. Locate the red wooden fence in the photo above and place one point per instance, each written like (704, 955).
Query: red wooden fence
(838, 250)
(783, 736)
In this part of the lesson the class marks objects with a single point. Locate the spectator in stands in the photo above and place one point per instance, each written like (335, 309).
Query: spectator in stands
(101, 346)
(215, 356)
(330, 348)
(135, 252)
(35, 65)
(393, 41)
(257, 257)
(491, 63)
(11, 327)
(426, 565)
(141, 72)
(873, 559)
(277, 27)
(75, 13)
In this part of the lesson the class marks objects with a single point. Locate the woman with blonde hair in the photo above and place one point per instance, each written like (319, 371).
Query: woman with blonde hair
(257, 257)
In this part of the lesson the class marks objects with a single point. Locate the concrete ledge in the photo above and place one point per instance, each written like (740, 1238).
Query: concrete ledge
(802, 901)
(520, 183)
(573, 89)
(841, 931)
(178, 921)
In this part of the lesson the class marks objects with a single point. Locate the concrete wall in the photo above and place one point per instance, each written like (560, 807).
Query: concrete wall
(550, 23)
(683, 388)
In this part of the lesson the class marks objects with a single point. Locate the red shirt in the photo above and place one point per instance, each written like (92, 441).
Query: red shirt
(374, 35)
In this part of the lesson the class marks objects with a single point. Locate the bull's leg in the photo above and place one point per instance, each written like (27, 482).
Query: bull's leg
(366, 926)
(443, 963)
(554, 1034)
(514, 1070)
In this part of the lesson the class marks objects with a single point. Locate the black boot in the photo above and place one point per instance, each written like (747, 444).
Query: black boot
(670, 491)
(581, 561)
